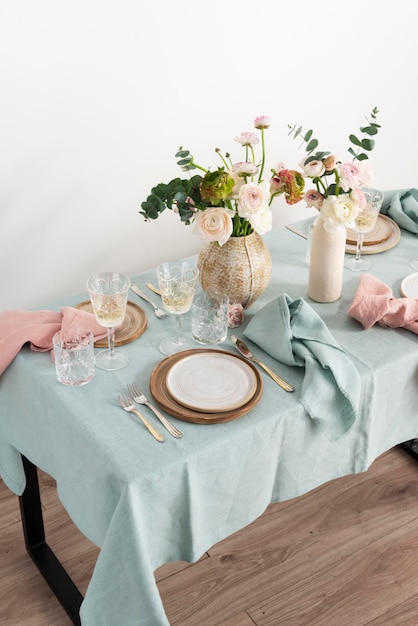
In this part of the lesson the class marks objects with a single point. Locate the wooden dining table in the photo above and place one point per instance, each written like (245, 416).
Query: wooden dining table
(146, 503)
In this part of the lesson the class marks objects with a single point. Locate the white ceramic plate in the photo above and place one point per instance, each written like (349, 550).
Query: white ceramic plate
(211, 382)
(409, 286)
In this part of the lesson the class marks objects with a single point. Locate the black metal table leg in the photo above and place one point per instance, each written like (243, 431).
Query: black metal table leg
(46, 561)
(411, 447)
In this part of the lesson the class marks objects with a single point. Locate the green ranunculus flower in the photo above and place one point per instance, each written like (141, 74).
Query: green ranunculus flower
(216, 186)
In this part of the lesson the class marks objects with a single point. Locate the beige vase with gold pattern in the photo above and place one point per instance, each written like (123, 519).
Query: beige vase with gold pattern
(241, 268)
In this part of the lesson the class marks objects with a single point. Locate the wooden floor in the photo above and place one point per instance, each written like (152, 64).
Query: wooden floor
(345, 554)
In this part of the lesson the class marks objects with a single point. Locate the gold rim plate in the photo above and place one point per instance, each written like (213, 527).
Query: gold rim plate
(133, 325)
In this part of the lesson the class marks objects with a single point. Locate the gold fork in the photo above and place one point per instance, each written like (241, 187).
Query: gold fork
(128, 406)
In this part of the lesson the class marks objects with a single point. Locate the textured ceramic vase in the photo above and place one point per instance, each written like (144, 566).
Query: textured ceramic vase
(326, 263)
(241, 268)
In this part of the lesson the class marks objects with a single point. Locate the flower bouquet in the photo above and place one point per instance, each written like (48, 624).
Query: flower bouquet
(338, 185)
(233, 200)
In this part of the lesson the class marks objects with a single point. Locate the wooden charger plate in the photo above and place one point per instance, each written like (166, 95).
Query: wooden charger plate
(162, 396)
(384, 236)
(380, 233)
(133, 325)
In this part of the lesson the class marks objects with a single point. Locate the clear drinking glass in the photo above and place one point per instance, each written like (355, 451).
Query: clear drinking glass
(108, 293)
(177, 282)
(365, 222)
(209, 317)
(74, 357)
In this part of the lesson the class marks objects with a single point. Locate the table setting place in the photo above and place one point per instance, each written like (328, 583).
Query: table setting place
(202, 380)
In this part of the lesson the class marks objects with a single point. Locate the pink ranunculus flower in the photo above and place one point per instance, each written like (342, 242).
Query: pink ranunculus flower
(262, 121)
(262, 222)
(279, 168)
(313, 168)
(214, 224)
(349, 176)
(314, 198)
(253, 198)
(358, 197)
(366, 175)
(247, 139)
(339, 212)
(235, 314)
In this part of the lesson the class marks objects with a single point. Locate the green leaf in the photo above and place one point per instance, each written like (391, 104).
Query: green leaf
(308, 135)
(182, 154)
(180, 196)
(355, 140)
(183, 162)
(321, 155)
(332, 190)
(312, 145)
(369, 130)
(362, 156)
(367, 144)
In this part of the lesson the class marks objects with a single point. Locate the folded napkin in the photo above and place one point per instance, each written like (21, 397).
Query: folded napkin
(39, 327)
(374, 303)
(293, 333)
(401, 205)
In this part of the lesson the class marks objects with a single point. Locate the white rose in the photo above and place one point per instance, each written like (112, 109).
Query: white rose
(214, 224)
(253, 198)
(339, 212)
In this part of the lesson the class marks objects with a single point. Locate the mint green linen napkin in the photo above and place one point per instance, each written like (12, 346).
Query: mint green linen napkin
(293, 333)
(401, 205)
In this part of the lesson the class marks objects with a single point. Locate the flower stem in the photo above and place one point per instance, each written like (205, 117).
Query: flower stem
(263, 156)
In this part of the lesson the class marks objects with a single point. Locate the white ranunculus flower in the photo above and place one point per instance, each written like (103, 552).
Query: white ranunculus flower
(313, 168)
(366, 175)
(262, 222)
(253, 198)
(339, 212)
(214, 224)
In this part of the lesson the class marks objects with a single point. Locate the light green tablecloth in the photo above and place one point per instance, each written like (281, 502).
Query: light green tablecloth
(146, 503)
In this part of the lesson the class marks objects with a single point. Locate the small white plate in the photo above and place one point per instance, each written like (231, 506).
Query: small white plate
(211, 382)
(409, 286)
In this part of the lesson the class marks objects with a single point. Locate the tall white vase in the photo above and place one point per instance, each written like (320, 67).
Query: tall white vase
(327, 263)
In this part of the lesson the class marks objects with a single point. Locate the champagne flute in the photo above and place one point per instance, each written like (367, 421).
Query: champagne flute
(177, 281)
(365, 223)
(108, 293)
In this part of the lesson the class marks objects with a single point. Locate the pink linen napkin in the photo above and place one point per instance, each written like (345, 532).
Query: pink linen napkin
(39, 327)
(374, 303)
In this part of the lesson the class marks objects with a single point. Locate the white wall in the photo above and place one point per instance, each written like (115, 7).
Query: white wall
(96, 97)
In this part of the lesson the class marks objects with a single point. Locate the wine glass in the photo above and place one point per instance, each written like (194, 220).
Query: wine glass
(177, 281)
(365, 222)
(108, 293)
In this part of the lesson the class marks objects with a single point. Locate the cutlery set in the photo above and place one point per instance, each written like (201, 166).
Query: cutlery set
(136, 395)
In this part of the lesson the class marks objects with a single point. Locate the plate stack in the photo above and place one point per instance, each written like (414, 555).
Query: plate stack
(206, 386)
